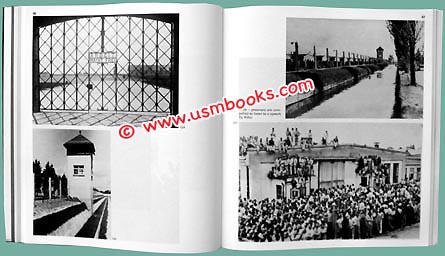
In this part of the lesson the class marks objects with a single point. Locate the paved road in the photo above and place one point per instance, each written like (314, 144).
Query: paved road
(411, 232)
(51, 222)
(96, 225)
(370, 98)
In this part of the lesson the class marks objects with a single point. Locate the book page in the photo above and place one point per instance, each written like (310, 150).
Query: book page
(100, 177)
(343, 159)
(7, 78)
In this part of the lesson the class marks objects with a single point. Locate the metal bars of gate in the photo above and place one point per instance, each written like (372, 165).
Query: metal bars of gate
(141, 79)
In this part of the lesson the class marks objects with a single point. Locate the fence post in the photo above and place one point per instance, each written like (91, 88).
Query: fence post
(336, 58)
(327, 57)
(297, 64)
(315, 58)
(343, 61)
(49, 188)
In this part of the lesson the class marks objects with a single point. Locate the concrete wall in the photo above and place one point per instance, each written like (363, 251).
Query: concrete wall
(259, 165)
(80, 187)
(350, 176)
(332, 173)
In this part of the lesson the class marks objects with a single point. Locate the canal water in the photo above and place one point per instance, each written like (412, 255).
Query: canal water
(371, 97)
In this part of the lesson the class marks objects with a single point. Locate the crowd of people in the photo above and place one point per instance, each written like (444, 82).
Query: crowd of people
(344, 212)
(292, 138)
(298, 166)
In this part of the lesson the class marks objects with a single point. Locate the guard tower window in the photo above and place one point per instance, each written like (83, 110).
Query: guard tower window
(78, 170)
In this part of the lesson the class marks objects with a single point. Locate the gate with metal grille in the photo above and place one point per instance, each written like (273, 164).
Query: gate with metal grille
(106, 63)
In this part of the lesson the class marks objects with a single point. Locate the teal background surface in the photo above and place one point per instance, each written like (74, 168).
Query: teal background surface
(16, 249)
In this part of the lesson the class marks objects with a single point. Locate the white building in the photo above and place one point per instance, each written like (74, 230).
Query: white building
(332, 167)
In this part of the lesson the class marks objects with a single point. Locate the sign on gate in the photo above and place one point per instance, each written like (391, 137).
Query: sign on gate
(102, 57)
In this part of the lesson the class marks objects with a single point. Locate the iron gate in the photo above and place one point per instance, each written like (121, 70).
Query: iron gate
(106, 63)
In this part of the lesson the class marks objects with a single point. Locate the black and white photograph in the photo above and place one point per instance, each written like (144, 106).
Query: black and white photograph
(105, 70)
(71, 183)
(361, 68)
(329, 180)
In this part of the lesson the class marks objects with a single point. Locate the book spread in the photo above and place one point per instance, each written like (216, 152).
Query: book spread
(189, 127)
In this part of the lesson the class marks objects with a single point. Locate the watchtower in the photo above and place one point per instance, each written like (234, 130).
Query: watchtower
(80, 162)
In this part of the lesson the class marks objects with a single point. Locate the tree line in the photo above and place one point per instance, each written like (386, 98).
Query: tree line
(47, 184)
(406, 35)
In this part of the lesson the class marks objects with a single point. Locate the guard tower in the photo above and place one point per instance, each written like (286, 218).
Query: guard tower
(379, 54)
(80, 161)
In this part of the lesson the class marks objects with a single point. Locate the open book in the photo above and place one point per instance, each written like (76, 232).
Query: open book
(351, 160)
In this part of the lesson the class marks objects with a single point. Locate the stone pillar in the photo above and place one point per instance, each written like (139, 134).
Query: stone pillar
(391, 171)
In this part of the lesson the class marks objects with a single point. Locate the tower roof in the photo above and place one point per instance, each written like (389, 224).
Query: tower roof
(379, 49)
(79, 145)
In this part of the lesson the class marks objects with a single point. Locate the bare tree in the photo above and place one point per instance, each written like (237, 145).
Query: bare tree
(406, 35)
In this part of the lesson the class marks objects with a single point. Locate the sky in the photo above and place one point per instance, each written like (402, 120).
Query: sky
(48, 146)
(358, 36)
(388, 134)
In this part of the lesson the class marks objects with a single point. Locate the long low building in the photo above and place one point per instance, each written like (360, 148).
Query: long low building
(332, 167)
